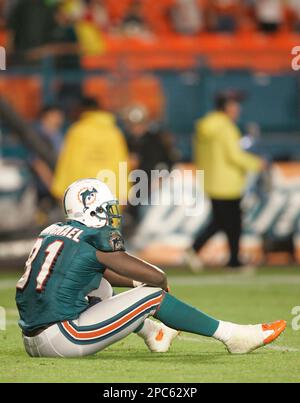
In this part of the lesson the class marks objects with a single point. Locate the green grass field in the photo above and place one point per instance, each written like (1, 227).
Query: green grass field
(268, 296)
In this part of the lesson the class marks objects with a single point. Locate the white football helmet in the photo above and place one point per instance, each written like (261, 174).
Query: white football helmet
(90, 202)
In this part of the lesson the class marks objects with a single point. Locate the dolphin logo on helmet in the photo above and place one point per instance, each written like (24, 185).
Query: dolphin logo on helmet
(87, 196)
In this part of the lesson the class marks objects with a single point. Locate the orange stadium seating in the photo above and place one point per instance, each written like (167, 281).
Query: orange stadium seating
(164, 50)
(100, 89)
(19, 90)
(252, 51)
(115, 94)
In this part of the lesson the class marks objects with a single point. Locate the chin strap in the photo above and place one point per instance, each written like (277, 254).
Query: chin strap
(94, 214)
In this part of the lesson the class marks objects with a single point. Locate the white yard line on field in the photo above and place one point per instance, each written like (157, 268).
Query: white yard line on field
(235, 280)
(283, 348)
(205, 340)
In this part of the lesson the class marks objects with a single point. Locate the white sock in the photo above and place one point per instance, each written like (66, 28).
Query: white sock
(147, 329)
(224, 331)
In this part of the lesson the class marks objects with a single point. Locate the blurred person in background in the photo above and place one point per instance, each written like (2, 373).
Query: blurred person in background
(218, 153)
(76, 34)
(81, 23)
(150, 146)
(65, 49)
(50, 128)
(95, 20)
(269, 15)
(133, 23)
(223, 15)
(30, 24)
(64, 39)
(3, 13)
(40, 29)
(6, 6)
(92, 144)
(50, 125)
(96, 11)
(187, 17)
(295, 8)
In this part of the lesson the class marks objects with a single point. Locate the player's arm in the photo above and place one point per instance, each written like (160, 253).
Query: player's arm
(116, 280)
(129, 266)
(244, 160)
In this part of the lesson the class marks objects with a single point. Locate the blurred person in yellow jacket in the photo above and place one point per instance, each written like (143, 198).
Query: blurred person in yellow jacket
(218, 153)
(92, 144)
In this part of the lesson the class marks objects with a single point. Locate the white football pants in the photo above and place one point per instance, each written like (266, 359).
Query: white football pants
(101, 325)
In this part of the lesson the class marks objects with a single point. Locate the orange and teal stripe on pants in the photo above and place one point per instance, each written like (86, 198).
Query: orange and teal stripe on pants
(102, 330)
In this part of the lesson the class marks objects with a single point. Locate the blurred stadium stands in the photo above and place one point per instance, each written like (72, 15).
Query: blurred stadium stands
(174, 76)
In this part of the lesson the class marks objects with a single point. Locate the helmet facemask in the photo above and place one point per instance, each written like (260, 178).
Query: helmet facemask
(108, 213)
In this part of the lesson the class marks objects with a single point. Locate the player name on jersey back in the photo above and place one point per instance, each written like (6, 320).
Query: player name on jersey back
(67, 231)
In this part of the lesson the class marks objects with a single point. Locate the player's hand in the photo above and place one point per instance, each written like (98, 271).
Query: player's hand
(137, 283)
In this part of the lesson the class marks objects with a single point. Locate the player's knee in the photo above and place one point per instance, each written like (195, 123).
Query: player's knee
(147, 290)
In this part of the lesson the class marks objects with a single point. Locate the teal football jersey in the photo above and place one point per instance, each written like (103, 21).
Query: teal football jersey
(61, 271)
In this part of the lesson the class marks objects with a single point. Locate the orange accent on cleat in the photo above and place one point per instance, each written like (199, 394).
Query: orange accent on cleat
(159, 335)
(277, 327)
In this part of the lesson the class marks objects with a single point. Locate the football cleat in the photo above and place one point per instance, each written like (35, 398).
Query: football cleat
(245, 339)
(160, 338)
(273, 330)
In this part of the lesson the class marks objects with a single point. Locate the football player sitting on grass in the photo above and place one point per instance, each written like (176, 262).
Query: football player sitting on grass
(65, 298)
